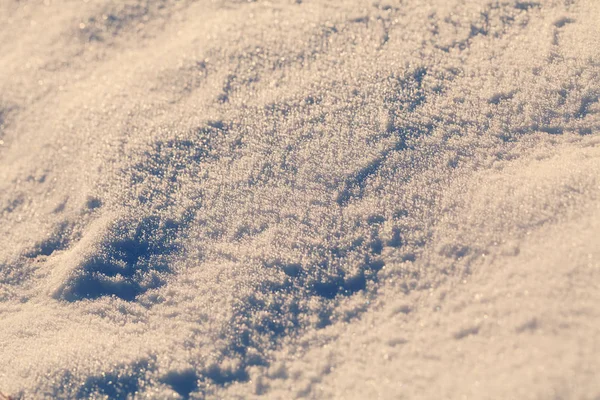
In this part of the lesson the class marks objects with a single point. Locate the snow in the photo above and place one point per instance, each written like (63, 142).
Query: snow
(280, 199)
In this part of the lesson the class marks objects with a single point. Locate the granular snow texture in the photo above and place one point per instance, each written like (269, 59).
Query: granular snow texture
(300, 198)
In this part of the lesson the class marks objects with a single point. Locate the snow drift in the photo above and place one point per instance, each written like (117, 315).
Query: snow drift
(322, 199)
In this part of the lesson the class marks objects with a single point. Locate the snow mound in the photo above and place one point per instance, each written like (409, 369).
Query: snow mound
(227, 199)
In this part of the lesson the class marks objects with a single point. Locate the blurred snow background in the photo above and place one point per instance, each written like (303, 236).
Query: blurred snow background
(309, 198)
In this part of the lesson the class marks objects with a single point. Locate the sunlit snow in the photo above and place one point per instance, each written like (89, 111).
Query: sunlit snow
(300, 199)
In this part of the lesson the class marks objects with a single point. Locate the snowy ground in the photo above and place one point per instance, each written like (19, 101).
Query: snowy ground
(300, 198)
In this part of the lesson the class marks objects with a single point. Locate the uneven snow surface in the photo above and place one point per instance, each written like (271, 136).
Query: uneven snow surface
(300, 198)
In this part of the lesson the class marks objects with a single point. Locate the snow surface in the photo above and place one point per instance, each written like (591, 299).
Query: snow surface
(300, 198)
